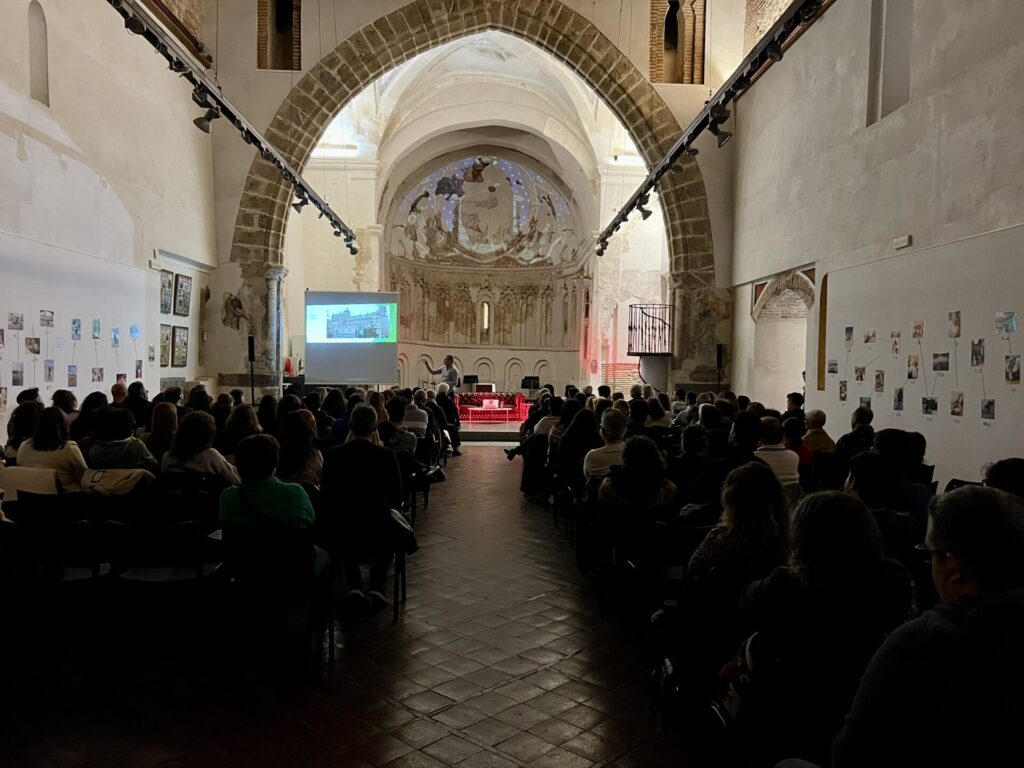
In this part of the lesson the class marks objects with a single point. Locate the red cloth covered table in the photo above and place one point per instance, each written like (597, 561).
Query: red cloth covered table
(510, 406)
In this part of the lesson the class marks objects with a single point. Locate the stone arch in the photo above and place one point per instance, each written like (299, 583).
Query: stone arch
(484, 368)
(789, 283)
(513, 373)
(403, 368)
(543, 370)
(420, 25)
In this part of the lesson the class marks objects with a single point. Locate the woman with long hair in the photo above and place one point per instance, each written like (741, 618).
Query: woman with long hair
(657, 416)
(21, 425)
(636, 494)
(581, 437)
(50, 448)
(65, 400)
(84, 427)
(266, 414)
(164, 423)
(193, 449)
(242, 423)
(376, 399)
(300, 461)
(334, 403)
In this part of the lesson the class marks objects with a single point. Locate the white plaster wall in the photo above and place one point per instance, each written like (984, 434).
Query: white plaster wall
(111, 171)
(779, 349)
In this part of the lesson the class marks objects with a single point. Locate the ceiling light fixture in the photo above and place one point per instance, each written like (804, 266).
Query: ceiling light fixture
(133, 25)
(301, 200)
(203, 122)
(774, 51)
(645, 214)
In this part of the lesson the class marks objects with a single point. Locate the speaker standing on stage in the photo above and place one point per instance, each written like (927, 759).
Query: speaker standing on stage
(449, 373)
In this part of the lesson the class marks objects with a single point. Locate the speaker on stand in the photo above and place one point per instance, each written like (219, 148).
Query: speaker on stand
(720, 362)
(252, 377)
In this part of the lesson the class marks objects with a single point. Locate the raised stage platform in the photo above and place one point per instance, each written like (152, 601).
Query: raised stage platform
(493, 432)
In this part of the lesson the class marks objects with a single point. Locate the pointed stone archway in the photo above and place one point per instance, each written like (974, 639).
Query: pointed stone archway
(300, 121)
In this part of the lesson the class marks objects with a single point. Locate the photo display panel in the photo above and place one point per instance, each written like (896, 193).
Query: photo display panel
(351, 338)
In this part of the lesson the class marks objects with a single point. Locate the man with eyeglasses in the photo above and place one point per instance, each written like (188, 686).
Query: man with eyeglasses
(947, 689)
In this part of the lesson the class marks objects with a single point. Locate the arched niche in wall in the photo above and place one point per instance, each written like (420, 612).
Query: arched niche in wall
(38, 54)
(484, 369)
(542, 369)
(403, 368)
(513, 374)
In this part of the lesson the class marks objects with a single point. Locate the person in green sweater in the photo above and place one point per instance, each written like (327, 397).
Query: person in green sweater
(262, 500)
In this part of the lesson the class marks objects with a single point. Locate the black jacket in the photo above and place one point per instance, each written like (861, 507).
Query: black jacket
(360, 483)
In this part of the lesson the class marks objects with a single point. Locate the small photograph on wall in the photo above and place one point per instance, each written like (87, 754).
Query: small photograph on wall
(182, 295)
(988, 409)
(96, 326)
(97, 375)
(929, 405)
(166, 291)
(894, 343)
(138, 369)
(115, 337)
(940, 361)
(179, 347)
(833, 366)
(134, 332)
(956, 404)
(848, 335)
(151, 353)
(842, 391)
(859, 372)
(897, 399)
(46, 318)
(917, 331)
(165, 345)
(72, 376)
(954, 325)
(913, 366)
(122, 378)
(1, 340)
(76, 329)
(865, 402)
(870, 337)
(3, 399)
(17, 374)
(977, 353)
(15, 321)
(1006, 322)
(48, 371)
(32, 345)
(879, 381)
(1013, 369)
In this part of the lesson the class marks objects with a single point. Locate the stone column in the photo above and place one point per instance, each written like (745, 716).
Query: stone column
(258, 309)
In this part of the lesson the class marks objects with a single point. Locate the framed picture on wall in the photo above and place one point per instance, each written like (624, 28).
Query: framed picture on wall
(165, 346)
(182, 295)
(166, 291)
(179, 347)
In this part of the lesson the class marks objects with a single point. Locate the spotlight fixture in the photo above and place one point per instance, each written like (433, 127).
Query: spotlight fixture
(133, 25)
(644, 213)
(718, 113)
(774, 51)
(350, 243)
(302, 201)
(203, 122)
(809, 11)
(722, 136)
(692, 152)
(200, 96)
(179, 66)
(337, 232)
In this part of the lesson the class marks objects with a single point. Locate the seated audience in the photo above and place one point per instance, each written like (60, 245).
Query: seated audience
(300, 461)
(137, 401)
(912, 496)
(199, 399)
(172, 394)
(750, 540)
(451, 413)
(875, 481)
(376, 401)
(793, 439)
(773, 452)
(289, 403)
(944, 689)
(83, 429)
(818, 621)
(392, 432)
(65, 400)
(417, 420)
(334, 403)
(795, 407)
(656, 415)
(604, 391)
(266, 414)
(581, 437)
(118, 393)
(263, 500)
(323, 419)
(1006, 475)
(116, 445)
(339, 429)
(548, 422)
(636, 494)
(242, 423)
(816, 438)
(237, 397)
(361, 484)
(861, 437)
(192, 450)
(50, 448)
(569, 411)
(221, 410)
(598, 462)
(161, 434)
(21, 426)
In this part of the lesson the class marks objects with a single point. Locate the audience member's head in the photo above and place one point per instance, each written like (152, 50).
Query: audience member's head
(118, 392)
(220, 411)
(195, 434)
(613, 425)
(862, 416)
(555, 405)
(363, 421)
(256, 457)
(237, 397)
(793, 433)
(288, 404)
(618, 396)
(199, 399)
(395, 408)
(636, 391)
(65, 400)
(588, 390)
(648, 392)
(51, 430)
(873, 478)
(742, 403)
(694, 441)
(815, 419)
(710, 417)
(115, 424)
(976, 539)
(23, 422)
(420, 398)
(917, 447)
(442, 389)
(622, 406)
(771, 431)
(601, 405)
(266, 413)
(334, 403)
(638, 410)
(582, 429)
(164, 423)
(725, 408)
(241, 424)
(757, 409)
(1006, 475)
(312, 400)
(836, 542)
(794, 401)
(604, 391)
(642, 457)
(569, 411)
(746, 432)
(295, 437)
(93, 402)
(680, 395)
(356, 399)
(137, 391)
(655, 409)
(172, 394)
(29, 395)
(754, 509)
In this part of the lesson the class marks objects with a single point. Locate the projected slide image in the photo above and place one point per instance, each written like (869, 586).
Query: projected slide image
(351, 323)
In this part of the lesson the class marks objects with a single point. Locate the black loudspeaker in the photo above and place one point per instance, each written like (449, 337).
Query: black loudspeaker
(252, 349)
(719, 356)
(469, 379)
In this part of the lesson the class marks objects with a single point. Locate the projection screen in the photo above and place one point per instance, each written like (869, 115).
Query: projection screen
(351, 338)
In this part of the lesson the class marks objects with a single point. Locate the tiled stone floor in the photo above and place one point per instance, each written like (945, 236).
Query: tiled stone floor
(499, 660)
